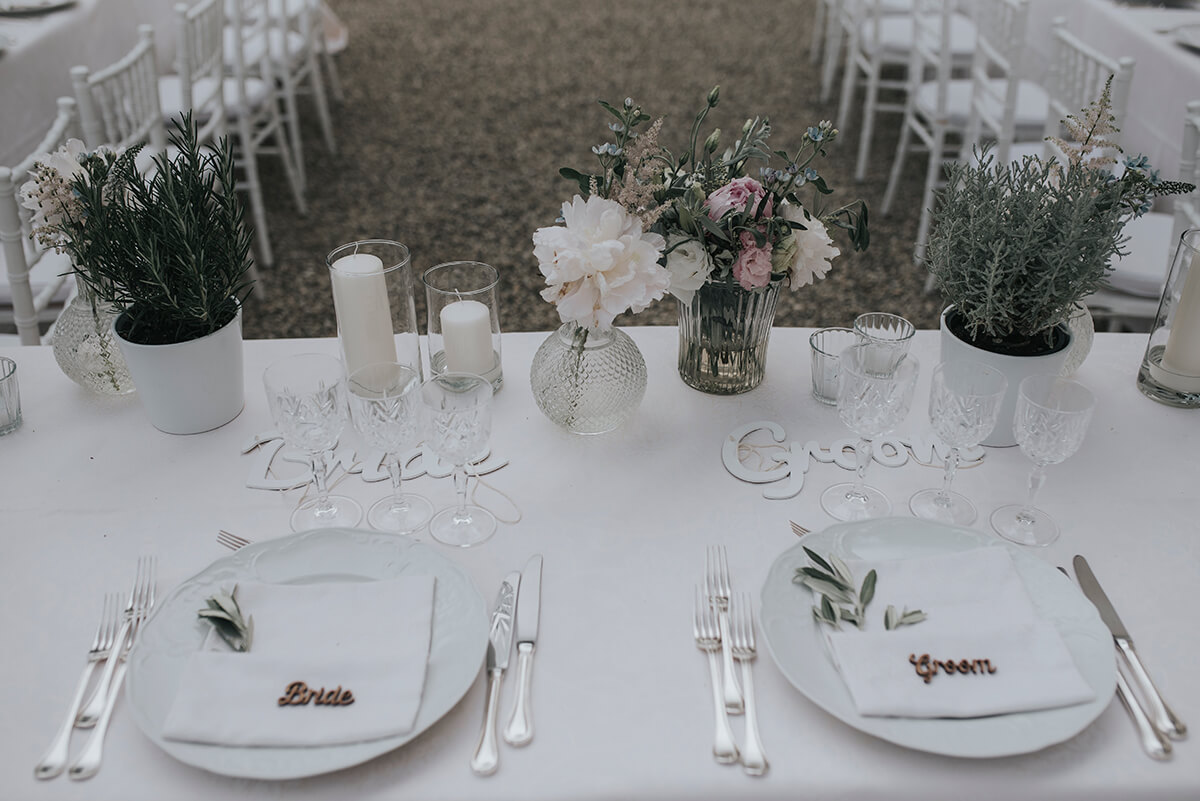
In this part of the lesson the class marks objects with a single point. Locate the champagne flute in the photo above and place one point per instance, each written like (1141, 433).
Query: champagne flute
(385, 407)
(964, 403)
(1050, 422)
(458, 422)
(307, 396)
(871, 405)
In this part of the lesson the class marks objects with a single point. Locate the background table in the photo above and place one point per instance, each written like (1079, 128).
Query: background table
(621, 702)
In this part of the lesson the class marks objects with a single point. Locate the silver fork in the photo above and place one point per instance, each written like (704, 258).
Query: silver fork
(704, 629)
(88, 763)
(754, 761)
(231, 541)
(56, 756)
(716, 584)
(142, 584)
(798, 529)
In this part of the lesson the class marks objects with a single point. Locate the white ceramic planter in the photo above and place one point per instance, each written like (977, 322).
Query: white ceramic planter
(193, 386)
(1014, 368)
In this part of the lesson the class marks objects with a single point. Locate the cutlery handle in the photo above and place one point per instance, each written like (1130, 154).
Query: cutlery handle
(91, 713)
(1154, 744)
(487, 753)
(729, 688)
(724, 749)
(754, 761)
(88, 764)
(1164, 719)
(520, 728)
(55, 760)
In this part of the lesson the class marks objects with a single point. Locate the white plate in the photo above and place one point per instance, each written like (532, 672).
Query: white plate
(795, 642)
(458, 641)
(27, 7)
(1189, 36)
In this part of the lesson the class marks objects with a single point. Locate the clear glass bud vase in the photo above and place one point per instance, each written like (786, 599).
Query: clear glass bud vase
(723, 335)
(86, 348)
(588, 382)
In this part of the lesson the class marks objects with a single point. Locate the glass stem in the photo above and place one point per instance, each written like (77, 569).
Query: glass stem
(323, 504)
(863, 455)
(460, 487)
(1037, 477)
(943, 496)
(395, 469)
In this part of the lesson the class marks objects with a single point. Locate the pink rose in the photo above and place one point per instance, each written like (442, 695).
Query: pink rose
(753, 266)
(736, 194)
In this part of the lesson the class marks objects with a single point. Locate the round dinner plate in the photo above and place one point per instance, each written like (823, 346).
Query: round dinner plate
(25, 8)
(324, 556)
(797, 645)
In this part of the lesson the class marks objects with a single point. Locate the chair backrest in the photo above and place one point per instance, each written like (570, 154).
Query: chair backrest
(200, 63)
(21, 252)
(247, 49)
(1187, 207)
(932, 51)
(1076, 77)
(119, 105)
(1001, 27)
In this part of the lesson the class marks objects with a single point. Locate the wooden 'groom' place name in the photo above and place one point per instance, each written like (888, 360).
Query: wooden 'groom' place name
(928, 668)
(298, 694)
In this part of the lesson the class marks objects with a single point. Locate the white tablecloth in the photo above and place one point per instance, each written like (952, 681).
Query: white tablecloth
(621, 702)
(1165, 78)
(35, 68)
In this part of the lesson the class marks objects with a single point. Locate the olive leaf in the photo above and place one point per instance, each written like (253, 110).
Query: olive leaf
(226, 618)
(894, 620)
(833, 581)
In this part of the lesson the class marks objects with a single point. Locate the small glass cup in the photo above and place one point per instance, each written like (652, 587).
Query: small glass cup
(1170, 371)
(827, 345)
(464, 319)
(891, 335)
(374, 304)
(10, 397)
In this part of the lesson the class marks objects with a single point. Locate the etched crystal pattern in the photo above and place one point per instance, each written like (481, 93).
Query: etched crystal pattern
(588, 382)
(85, 346)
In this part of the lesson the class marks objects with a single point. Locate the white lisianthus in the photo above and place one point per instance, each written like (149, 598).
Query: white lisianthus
(814, 249)
(600, 263)
(689, 264)
(50, 194)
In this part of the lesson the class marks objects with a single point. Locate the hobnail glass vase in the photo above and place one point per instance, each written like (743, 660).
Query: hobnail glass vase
(723, 335)
(588, 382)
(85, 346)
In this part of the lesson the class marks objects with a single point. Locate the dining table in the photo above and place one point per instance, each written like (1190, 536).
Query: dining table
(620, 693)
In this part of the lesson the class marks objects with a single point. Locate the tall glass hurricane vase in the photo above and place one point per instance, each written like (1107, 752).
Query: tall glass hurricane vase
(588, 382)
(723, 335)
(85, 346)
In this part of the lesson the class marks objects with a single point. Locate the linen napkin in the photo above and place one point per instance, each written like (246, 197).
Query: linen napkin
(982, 649)
(329, 664)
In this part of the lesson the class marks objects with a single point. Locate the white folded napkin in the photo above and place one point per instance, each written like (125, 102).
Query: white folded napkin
(368, 641)
(982, 646)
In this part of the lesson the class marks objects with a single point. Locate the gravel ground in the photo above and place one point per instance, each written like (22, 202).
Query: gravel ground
(458, 114)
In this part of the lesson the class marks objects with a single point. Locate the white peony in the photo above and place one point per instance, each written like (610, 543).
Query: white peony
(689, 264)
(814, 249)
(600, 263)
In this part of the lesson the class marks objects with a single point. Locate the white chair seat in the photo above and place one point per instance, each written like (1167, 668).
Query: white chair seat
(896, 36)
(284, 48)
(170, 91)
(43, 274)
(1143, 271)
(1033, 104)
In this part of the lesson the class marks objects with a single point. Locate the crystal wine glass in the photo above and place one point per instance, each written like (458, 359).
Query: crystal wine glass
(1050, 422)
(307, 396)
(458, 422)
(964, 403)
(385, 407)
(871, 405)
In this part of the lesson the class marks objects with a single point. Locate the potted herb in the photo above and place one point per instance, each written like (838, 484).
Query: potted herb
(1017, 247)
(169, 250)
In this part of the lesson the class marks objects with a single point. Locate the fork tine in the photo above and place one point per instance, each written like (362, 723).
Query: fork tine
(798, 529)
(231, 541)
(723, 567)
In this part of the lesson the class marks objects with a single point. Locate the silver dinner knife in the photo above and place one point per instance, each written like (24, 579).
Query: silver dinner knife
(1163, 718)
(487, 754)
(520, 728)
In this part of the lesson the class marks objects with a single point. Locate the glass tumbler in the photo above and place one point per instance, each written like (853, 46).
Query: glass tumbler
(891, 335)
(826, 346)
(464, 319)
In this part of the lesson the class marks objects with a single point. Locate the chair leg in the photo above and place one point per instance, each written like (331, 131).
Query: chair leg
(292, 119)
(868, 124)
(849, 77)
(318, 90)
(291, 167)
(889, 194)
(833, 52)
(253, 188)
(331, 73)
(932, 172)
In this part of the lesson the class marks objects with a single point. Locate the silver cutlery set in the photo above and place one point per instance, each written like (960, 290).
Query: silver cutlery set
(520, 596)
(115, 636)
(723, 626)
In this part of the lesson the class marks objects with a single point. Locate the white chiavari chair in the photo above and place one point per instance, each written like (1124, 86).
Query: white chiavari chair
(36, 281)
(119, 104)
(831, 25)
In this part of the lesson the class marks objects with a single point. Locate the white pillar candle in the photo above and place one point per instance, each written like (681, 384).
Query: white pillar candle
(1181, 357)
(360, 301)
(467, 337)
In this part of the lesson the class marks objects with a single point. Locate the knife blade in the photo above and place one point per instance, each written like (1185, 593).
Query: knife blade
(520, 727)
(487, 755)
(1161, 715)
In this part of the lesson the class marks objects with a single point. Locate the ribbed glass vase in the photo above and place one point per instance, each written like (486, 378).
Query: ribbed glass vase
(588, 382)
(85, 346)
(723, 335)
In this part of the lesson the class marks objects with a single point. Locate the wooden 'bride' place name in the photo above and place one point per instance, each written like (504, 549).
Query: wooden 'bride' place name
(927, 668)
(299, 694)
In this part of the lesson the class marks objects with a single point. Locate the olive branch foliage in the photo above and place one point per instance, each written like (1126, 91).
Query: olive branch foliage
(830, 579)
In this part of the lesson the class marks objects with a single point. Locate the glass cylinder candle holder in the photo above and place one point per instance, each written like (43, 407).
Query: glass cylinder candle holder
(374, 303)
(1170, 371)
(464, 319)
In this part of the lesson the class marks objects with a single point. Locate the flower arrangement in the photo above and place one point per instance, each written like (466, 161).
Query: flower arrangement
(169, 250)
